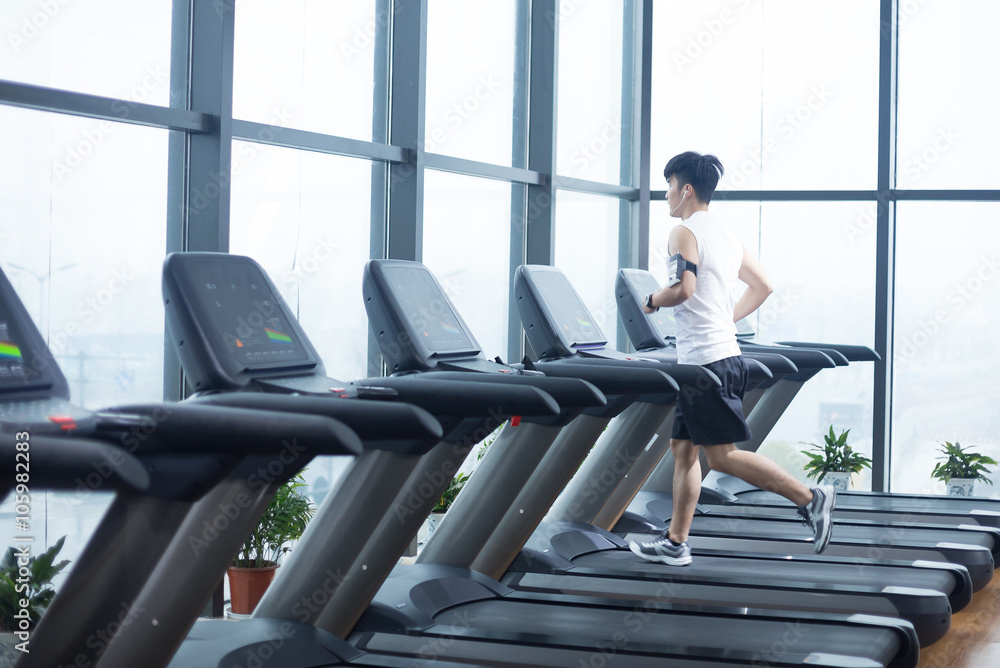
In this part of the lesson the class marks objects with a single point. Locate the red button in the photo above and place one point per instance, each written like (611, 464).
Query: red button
(515, 421)
(64, 421)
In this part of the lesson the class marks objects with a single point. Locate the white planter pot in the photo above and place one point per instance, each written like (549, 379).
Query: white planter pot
(961, 486)
(839, 480)
(427, 528)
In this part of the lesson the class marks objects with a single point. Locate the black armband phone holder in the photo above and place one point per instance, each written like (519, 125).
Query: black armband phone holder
(677, 266)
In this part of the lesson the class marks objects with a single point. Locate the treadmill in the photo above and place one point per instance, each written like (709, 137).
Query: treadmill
(549, 305)
(655, 332)
(462, 614)
(159, 458)
(875, 536)
(233, 331)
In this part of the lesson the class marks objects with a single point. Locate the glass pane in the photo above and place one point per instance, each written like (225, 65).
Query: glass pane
(99, 310)
(706, 93)
(82, 240)
(307, 64)
(948, 97)
(470, 79)
(947, 354)
(467, 247)
(120, 50)
(820, 95)
(754, 84)
(304, 217)
(589, 108)
(586, 239)
(822, 262)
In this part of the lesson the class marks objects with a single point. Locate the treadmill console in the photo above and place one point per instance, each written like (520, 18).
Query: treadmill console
(229, 324)
(33, 391)
(744, 330)
(415, 323)
(645, 330)
(554, 318)
(27, 368)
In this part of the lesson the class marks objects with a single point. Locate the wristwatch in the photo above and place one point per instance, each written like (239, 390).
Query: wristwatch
(649, 302)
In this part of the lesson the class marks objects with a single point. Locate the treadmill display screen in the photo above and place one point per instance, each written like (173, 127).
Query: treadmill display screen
(247, 314)
(18, 367)
(570, 314)
(428, 311)
(663, 320)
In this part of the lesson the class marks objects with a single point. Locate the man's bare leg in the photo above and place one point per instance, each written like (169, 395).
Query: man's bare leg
(757, 470)
(687, 488)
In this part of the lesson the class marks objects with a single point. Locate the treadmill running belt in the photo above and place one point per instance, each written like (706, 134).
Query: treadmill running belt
(641, 630)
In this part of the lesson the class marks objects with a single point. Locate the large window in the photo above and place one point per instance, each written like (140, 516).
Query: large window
(70, 45)
(813, 255)
(590, 84)
(470, 80)
(783, 105)
(947, 354)
(948, 102)
(307, 64)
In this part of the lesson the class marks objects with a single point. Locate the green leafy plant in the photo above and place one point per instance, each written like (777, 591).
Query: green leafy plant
(284, 521)
(458, 482)
(960, 463)
(448, 498)
(39, 593)
(835, 455)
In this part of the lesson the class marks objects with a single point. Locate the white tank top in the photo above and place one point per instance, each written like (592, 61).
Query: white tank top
(706, 332)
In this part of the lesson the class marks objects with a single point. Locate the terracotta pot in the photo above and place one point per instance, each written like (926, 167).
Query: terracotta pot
(247, 586)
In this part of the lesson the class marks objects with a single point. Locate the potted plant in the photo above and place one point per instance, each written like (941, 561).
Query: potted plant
(451, 493)
(38, 594)
(253, 569)
(835, 460)
(960, 469)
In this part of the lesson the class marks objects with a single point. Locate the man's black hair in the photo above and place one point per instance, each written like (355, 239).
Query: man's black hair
(702, 172)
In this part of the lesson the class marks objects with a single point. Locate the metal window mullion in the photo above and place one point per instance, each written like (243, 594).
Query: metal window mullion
(54, 100)
(177, 185)
(885, 249)
(519, 159)
(209, 156)
(378, 220)
(543, 76)
(633, 216)
(407, 86)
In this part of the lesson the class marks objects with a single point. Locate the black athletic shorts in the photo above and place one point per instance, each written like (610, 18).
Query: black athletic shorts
(714, 416)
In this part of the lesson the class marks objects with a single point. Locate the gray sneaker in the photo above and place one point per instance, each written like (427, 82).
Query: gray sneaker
(664, 551)
(817, 515)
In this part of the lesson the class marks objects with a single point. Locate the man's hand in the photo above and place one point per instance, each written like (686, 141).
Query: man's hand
(646, 302)
(759, 286)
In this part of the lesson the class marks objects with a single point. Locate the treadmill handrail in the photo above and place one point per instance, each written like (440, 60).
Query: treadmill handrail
(58, 463)
(804, 358)
(371, 420)
(853, 353)
(189, 427)
(612, 376)
(568, 392)
(468, 398)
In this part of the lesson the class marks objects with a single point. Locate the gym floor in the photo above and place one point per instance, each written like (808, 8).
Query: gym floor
(974, 638)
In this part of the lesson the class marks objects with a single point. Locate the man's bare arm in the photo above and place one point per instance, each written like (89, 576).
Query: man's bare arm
(683, 242)
(759, 286)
